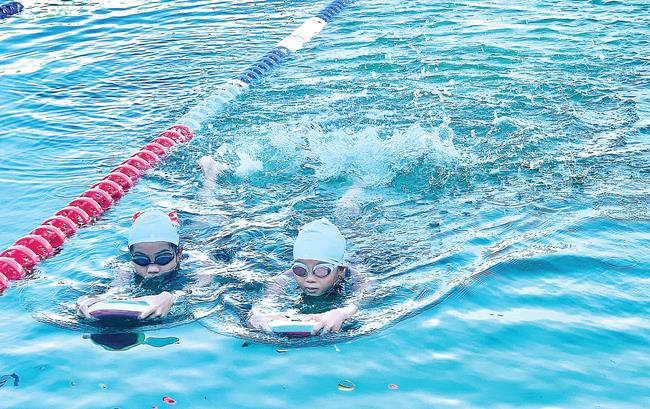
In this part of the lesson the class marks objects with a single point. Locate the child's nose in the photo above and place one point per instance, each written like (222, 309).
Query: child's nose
(153, 268)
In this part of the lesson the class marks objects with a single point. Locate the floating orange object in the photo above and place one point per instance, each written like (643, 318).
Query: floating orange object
(392, 386)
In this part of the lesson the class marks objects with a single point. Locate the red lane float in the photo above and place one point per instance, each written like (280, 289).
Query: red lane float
(78, 216)
(149, 156)
(11, 269)
(121, 179)
(88, 205)
(137, 163)
(183, 130)
(102, 198)
(37, 244)
(131, 171)
(164, 141)
(175, 136)
(110, 187)
(44, 240)
(67, 226)
(4, 283)
(156, 148)
(24, 256)
(52, 234)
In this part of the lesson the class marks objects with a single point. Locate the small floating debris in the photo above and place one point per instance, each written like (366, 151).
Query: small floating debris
(245, 344)
(102, 385)
(5, 378)
(168, 400)
(336, 348)
(282, 350)
(346, 386)
(393, 386)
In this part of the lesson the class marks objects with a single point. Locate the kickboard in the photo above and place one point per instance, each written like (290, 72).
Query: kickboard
(117, 309)
(292, 328)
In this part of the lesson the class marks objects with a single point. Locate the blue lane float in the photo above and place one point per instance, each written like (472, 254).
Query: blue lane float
(18, 260)
(9, 9)
(214, 103)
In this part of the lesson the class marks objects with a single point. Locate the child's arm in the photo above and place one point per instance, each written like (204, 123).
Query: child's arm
(266, 311)
(211, 170)
(159, 304)
(332, 320)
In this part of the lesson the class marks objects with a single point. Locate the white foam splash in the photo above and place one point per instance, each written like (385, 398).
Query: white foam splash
(248, 164)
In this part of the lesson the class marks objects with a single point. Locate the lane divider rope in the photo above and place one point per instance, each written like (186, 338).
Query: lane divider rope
(9, 9)
(44, 241)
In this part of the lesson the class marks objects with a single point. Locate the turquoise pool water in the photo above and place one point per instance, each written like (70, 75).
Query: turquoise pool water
(488, 162)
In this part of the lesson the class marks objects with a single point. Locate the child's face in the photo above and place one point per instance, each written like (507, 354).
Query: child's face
(315, 286)
(156, 252)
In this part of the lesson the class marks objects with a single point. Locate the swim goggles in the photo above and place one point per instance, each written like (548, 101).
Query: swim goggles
(161, 259)
(321, 270)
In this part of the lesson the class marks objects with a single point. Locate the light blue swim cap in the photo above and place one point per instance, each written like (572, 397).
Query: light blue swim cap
(153, 225)
(320, 240)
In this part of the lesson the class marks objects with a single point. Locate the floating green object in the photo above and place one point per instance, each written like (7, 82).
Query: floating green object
(346, 386)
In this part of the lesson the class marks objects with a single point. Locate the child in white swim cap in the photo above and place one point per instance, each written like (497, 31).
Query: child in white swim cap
(318, 268)
(155, 251)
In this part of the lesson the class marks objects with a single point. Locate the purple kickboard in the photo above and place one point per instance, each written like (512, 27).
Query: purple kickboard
(117, 309)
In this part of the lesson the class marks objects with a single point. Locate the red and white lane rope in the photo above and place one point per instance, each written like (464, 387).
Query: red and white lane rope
(44, 240)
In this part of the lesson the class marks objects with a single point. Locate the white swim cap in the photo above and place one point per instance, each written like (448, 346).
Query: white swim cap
(320, 240)
(153, 225)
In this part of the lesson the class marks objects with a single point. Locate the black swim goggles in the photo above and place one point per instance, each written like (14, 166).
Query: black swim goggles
(161, 259)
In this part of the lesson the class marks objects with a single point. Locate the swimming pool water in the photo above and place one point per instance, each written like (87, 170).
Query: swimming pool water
(487, 161)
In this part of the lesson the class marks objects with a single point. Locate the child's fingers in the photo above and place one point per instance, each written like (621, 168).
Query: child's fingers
(160, 311)
(146, 313)
(317, 327)
(83, 311)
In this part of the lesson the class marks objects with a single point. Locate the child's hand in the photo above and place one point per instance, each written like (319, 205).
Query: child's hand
(84, 302)
(159, 305)
(332, 320)
(261, 321)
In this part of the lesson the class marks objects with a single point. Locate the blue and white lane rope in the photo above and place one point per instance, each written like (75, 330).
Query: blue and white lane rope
(9, 9)
(210, 106)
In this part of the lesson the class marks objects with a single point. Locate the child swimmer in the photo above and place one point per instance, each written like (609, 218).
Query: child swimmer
(155, 251)
(319, 270)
